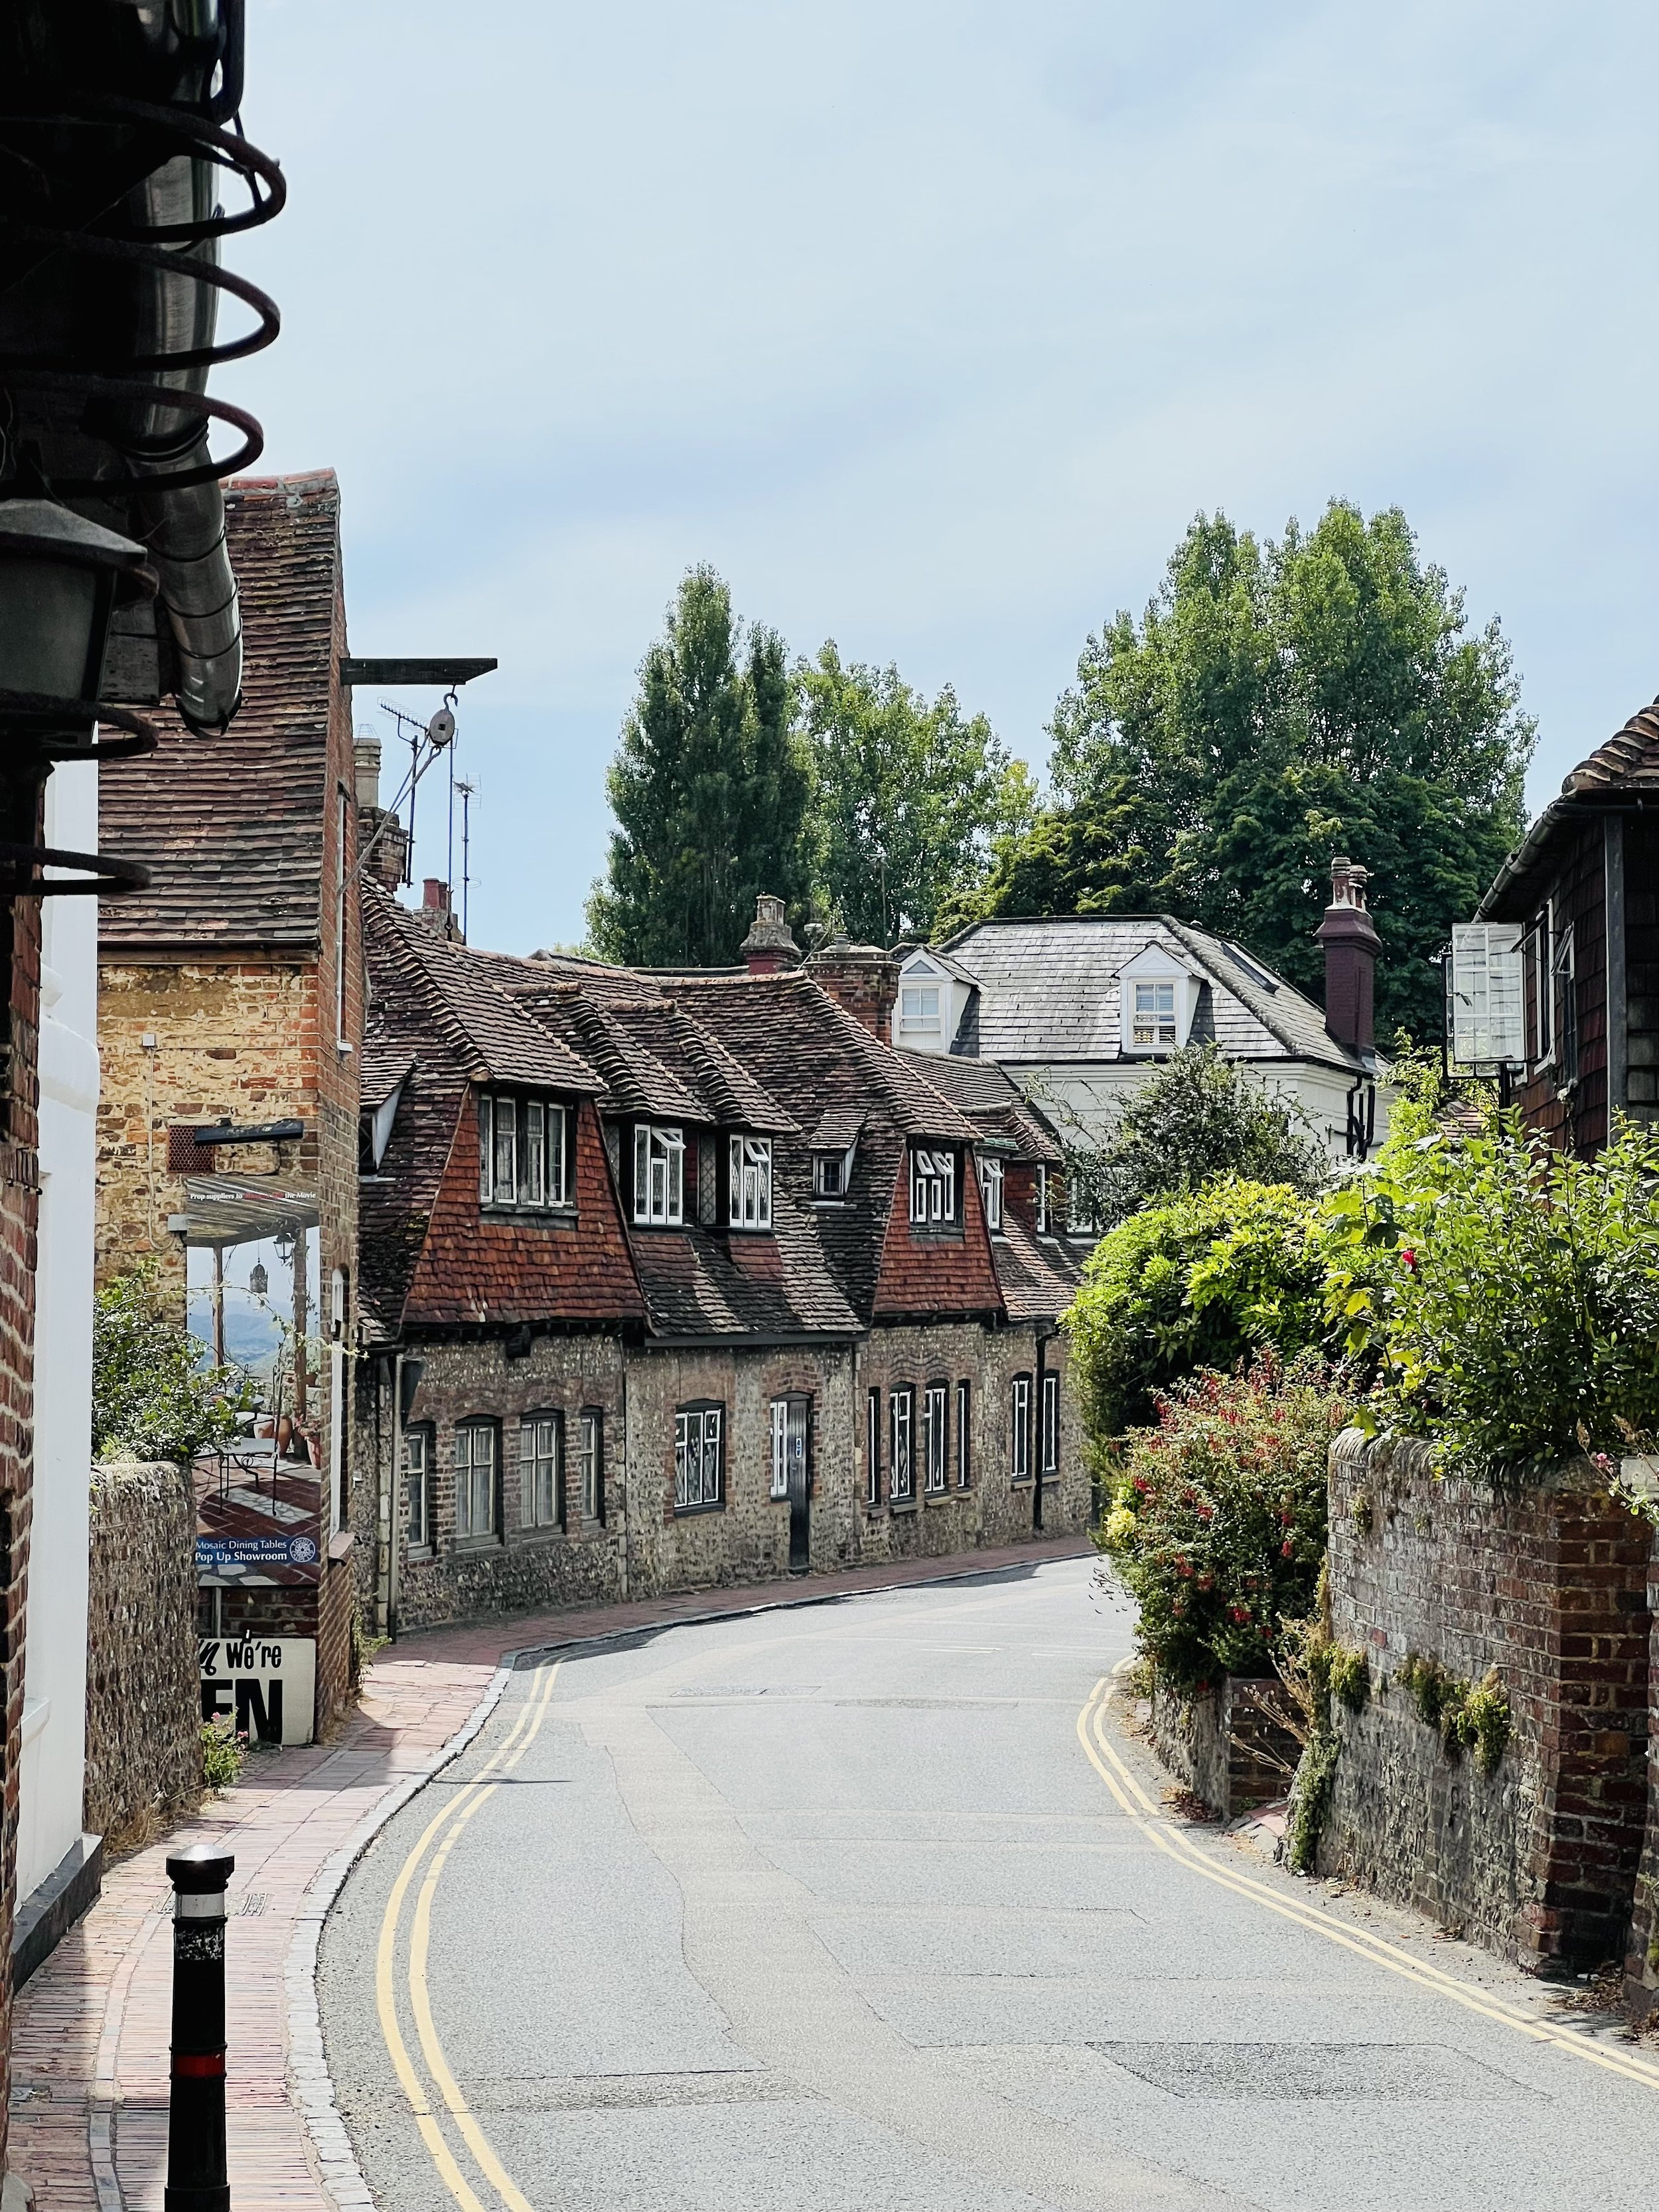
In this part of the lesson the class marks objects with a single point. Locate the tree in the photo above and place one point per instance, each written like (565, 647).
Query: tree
(711, 790)
(910, 795)
(1277, 704)
(1104, 855)
(151, 1396)
(1198, 1120)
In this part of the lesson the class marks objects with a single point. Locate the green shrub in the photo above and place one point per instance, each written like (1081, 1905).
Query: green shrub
(150, 1397)
(1217, 1524)
(224, 1754)
(1203, 1282)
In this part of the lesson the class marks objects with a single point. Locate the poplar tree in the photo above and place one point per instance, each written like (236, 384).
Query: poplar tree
(710, 788)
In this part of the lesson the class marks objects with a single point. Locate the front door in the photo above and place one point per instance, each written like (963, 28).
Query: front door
(800, 1504)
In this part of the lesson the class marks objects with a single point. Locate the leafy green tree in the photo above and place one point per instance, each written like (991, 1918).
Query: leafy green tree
(151, 1397)
(711, 790)
(1277, 703)
(1104, 855)
(1197, 1119)
(910, 795)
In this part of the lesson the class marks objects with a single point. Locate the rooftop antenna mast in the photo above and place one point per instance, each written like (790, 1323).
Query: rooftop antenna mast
(467, 790)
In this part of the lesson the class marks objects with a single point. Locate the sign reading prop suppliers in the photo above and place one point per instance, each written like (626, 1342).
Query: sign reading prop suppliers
(266, 1685)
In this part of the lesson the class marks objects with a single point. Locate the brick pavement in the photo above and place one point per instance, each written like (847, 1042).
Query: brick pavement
(90, 2033)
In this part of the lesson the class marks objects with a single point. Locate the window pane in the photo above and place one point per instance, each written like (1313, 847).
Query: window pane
(556, 1190)
(642, 1172)
(593, 1469)
(780, 1447)
(507, 1151)
(964, 1457)
(535, 1153)
(486, 1148)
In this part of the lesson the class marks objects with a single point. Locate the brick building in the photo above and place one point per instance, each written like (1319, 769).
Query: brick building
(676, 1279)
(230, 1001)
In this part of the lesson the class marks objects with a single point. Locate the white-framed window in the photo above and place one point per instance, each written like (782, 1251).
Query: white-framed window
(749, 1182)
(935, 1442)
(900, 1463)
(1019, 1428)
(932, 1186)
(417, 1488)
(697, 1455)
(872, 1449)
(780, 1486)
(541, 1471)
(590, 1447)
(919, 1009)
(1153, 1029)
(1564, 1006)
(964, 1435)
(1042, 1201)
(1049, 1455)
(1536, 994)
(523, 1151)
(990, 1188)
(475, 1479)
(658, 1175)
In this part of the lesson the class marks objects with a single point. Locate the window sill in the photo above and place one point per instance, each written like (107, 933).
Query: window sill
(691, 1512)
(416, 1552)
(936, 1498)
(539, 1216)
(937, 1232)
(901, 1505)
(523, 1536)
(489, 1543)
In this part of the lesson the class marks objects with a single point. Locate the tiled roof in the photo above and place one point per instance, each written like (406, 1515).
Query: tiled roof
(381, 1066)
(1039, 1276)
(1629, 760)
(232, 826)
(994, 1102)
(1047, 990)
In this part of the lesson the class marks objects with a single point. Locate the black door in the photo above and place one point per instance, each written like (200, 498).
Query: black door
(800, 1504)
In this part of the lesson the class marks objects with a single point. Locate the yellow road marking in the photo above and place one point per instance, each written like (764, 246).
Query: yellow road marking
(461, 1810)
(1132, 1800)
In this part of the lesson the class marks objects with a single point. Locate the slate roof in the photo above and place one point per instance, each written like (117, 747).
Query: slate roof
(1047, 990)
(1624, 770)
(232, 826)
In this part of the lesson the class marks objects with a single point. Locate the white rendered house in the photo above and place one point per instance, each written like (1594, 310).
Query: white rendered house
(1081, 1010)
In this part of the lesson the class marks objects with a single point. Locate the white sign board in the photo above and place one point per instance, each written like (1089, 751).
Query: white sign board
(265, 1685)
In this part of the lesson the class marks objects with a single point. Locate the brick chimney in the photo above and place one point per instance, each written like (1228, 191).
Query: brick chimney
(862, 978)
(770, 944)
(435, 908)
(381, 835)
(1351, 945)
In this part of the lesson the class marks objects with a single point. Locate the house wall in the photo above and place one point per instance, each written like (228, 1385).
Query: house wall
(1085, 1100)
(1576, 1115)
(1539, 1860)
(1641, 841)
(55, 1702)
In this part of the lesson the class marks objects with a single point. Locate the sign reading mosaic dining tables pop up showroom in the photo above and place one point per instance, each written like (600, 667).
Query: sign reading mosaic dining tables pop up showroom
(265, 1685)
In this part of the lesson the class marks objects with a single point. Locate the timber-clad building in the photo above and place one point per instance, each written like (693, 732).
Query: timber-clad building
(671, 1279)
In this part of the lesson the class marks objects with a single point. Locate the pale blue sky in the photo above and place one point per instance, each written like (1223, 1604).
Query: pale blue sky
(931, 325)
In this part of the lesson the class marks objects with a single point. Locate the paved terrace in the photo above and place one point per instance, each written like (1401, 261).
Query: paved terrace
(89, 2050)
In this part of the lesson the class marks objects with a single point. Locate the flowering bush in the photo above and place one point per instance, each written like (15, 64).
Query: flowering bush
(1202, 1282)
(1217, 1525)
(1506, 1297)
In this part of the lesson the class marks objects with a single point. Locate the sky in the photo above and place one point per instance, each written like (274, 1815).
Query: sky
(932, 326)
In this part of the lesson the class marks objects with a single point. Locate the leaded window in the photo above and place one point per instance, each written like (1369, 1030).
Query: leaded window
(1019, 1424)
(932, 1186)
(697, 1469)
(541, 1471)
(901, 1465)
(872, 1449)
(749, 1182)
(990, 1190)
(965, 1436)
(523, 1151)
(591, 1445)
(417, 1488)
(658, 1175)
(935, 1401)
(1050, 1453)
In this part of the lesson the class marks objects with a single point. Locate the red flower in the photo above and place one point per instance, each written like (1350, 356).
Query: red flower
(1408, 1258)
(1183, 1568)
(1286, 1549)
(1240, 1613)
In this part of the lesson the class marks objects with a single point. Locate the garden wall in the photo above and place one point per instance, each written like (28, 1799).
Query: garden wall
(1539, 1860)
(1227, 1747)
(143, 1697)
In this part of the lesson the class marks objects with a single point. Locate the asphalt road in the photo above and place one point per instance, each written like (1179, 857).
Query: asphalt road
(865, 1908)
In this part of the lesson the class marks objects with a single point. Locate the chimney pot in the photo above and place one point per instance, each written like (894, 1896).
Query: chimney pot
(366, 765)
(770, 944)
(1351, 945)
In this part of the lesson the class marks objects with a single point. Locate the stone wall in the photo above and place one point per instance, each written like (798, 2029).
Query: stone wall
(143, 1702)
(1641, 1961)
(1228, 1747)
(1538, 1861)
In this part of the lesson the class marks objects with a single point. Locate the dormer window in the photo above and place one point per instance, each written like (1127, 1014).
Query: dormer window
(1158, 997)
(832, 1174)
(522, 1153)
(1154, 1023)
(748, 1183)
(658, 1175)
(933, 1187)
(919, 1010)
(990, 1189)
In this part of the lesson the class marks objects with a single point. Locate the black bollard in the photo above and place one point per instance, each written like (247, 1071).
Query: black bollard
(197, 2180)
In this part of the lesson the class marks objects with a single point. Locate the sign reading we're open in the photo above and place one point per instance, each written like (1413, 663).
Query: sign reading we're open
(265, 1685)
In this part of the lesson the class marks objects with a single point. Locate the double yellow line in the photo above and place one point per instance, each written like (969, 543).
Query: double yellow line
(1167, 1838)
(453, 1820)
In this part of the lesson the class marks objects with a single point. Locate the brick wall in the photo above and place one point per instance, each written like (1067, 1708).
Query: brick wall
(143, 1703)
(1641, 1961)
(1538, 1860)
(20, 1188)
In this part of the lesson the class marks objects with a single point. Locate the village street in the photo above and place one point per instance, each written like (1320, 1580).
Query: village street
(860, 1906)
